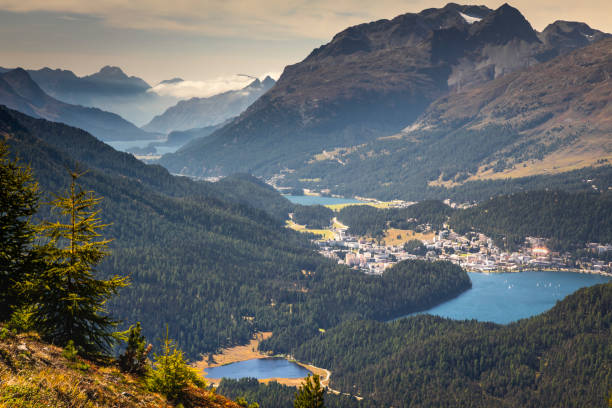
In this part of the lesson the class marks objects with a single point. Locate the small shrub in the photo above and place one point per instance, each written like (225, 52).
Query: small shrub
(21, 320)
(171, 374)
(70, 352)
(4, 333)
(134, 360)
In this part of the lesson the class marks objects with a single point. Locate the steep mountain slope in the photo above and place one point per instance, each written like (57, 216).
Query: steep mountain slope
(110, 89)
(18, 91)
(213, 269)
(371, 80)
(202, 112)
(550, 118)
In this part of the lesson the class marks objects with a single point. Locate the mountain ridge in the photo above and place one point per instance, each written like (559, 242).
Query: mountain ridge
(371, 80)
(20, 92)
(108, 89)
(197, 113)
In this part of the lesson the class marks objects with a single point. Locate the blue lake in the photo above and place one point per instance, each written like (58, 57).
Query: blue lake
(313, 200)
(259, 368)
(507, 297)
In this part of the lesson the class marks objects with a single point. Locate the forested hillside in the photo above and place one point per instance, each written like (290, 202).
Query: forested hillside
(568, 219)
(273, 394)
(561, 358)
(541, 121)
(371, 221)
(215, 271)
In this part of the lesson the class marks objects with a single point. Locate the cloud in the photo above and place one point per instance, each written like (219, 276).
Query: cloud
(206, 88)
(263, 19)
(283, 19)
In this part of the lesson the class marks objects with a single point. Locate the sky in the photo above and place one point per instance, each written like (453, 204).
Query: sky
(212, 40)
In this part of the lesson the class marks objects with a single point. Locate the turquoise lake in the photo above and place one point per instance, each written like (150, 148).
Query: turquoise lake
(259, 368)
(507, 297)
(314, 200)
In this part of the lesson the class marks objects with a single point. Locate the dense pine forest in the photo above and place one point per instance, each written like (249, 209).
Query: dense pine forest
(313, 216)
(215, 270)
(568, 219)
(371, 221)
(561, 358)
(274, 394)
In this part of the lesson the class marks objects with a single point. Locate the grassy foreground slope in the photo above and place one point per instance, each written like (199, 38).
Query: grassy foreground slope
(35, 374)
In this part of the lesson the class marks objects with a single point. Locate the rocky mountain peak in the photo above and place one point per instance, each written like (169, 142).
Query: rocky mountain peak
(502, 26)
(111, 72)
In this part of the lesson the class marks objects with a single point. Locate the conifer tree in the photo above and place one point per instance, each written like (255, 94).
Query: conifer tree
(68, 299)
(310, 394)
(134, 359)
(18, 202)
(171, 374)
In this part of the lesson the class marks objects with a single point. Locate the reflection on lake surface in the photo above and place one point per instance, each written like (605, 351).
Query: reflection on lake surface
(507, 297)
(314, 200)
(259, 368)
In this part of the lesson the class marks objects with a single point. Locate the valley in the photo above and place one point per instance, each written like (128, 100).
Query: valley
(413, 206)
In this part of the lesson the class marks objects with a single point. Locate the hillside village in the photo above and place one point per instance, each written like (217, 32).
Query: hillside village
(474, 251)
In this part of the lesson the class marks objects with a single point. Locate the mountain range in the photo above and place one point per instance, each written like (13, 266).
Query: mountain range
(377, 79)
(197, 113)
(18, 91)
(110, 89)
(550, 119)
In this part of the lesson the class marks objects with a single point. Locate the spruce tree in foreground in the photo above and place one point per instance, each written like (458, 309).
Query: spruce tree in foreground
(134, 359)
(310, 394)
(171, 374)
(68, 299)
(18, 202)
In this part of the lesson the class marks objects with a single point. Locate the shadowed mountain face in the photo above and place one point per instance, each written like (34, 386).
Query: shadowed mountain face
(203, 112)
(372, 80)
(18, 91)
(551, 118)
(109, 81)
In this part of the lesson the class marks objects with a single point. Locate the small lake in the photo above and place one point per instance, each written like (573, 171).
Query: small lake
(314, 200)
(123, 145)
(259, 368)
(507, 297)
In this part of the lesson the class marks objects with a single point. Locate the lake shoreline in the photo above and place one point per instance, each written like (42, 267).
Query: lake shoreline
(561, 270)
(251, 351)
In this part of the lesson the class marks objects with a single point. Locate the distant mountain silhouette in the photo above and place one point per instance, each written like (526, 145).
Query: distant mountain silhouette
(204, 112)
(18, 91)
(109, 89)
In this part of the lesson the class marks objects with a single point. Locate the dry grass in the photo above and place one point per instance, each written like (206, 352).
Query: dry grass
(391, 236)
(555, 163)
(34, 374)
(324, 233)
(380, 204)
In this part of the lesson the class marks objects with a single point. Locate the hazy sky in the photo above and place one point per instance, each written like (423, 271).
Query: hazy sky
(206, 39)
